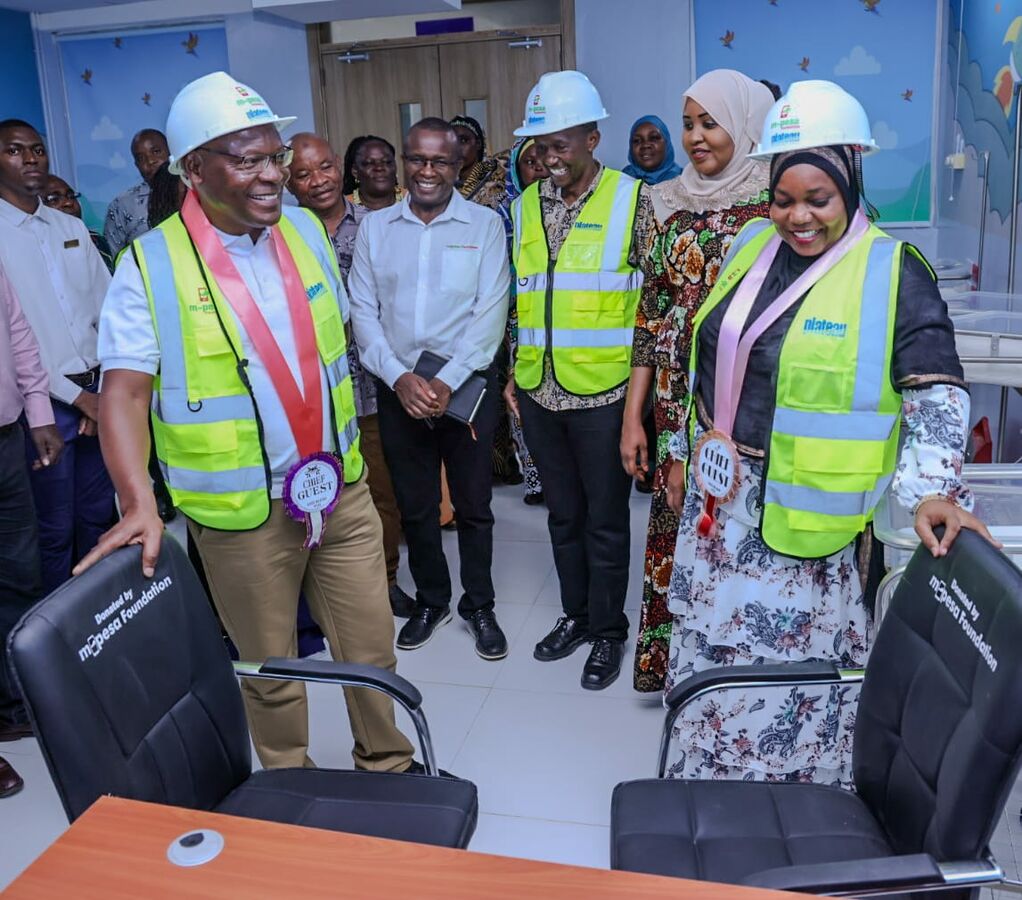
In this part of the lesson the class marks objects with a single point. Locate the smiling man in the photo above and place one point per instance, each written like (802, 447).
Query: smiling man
(431, 274)
(233, 312)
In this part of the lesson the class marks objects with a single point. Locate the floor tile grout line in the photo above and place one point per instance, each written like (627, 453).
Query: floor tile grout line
(472, 724)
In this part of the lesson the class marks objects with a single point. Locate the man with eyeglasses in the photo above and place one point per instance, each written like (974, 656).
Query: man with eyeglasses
(60, 280)
(431, 274)
(232, 312)
(58, 194)
(127, 216)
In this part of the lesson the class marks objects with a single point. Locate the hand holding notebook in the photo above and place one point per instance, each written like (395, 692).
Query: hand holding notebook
(465, 401)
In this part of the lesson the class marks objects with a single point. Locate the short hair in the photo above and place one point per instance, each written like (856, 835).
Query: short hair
(7, 124)
(147, 133)
(349, 158)
(774, 89)
(164, 195)
(434, 124)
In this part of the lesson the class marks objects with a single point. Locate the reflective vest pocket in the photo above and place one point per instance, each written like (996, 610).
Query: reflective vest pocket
(814, 387)
(827, 465)
(329, 328)
(581, 256)
(801, 520)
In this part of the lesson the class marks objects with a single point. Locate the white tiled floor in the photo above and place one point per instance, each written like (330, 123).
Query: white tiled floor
(544, 753)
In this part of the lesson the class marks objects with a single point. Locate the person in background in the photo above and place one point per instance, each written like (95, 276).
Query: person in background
(370, 173)
(579, 238)
(821, 338)
(481, 179)
(289, 411)
(127, 216)
(61, 280)
(720, 190)
(316, 184)
(775, 89)
(650, 151)
(431, 274)
(524, 168)
(58, 194)
(24, 392)
(166, 194)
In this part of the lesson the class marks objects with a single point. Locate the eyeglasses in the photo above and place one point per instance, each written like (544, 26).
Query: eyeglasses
(260, 163)
(438, 163)
(54, 199)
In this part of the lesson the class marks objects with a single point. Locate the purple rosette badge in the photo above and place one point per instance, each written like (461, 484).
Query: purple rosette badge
(312, 488)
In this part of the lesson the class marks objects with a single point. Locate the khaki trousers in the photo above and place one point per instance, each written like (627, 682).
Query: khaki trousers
(255, 578)
(382, 492)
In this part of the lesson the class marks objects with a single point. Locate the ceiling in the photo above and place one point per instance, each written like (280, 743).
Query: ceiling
(50, 6)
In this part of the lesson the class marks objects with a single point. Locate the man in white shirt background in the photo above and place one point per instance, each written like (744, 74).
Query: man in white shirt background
(61, 280)
(431, 274)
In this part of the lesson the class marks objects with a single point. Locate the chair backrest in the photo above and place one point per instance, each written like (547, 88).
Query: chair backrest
(938, 736)
(130, 687)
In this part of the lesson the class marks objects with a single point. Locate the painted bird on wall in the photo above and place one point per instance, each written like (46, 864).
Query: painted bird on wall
(871, 6)
(907, 95)
(118, 42)
(191, 43)
(728, 38)
(87, 76)
(146, 97)
(804, 65)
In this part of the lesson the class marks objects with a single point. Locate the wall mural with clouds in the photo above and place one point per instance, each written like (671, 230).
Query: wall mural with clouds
(117, 84)
(881, 51)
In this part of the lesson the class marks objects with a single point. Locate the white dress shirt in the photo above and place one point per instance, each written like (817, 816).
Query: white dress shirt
(60, 279)
(127, 340)
(441, 286)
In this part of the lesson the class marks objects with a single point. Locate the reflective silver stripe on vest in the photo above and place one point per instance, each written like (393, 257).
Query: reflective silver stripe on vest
(347, 437)
(316, 239)
(338, 370)
(825, 503)
(748, 232)
(618, 237)
(516, 226)
(874, 340)
(861, 426)
(209, 409)
(582, 281)
(577, 337)
(251, 478)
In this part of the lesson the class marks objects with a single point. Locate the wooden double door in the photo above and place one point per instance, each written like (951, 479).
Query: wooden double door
(384, 89)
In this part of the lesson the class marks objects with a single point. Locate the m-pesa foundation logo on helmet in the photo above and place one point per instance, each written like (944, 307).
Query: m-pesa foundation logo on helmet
(786, 128)
(537, 110)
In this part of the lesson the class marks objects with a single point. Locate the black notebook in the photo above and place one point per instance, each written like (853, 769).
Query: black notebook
(466, 400)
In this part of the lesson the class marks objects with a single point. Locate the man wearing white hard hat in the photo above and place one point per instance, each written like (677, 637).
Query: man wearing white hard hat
(820, 337)
(579, 237)
(228, 322)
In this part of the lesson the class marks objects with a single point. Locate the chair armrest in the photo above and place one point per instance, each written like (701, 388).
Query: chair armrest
(885, 874)
(347, 674)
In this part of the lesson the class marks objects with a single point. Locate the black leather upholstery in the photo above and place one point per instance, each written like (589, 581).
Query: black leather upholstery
(937, 749)
(132, 693)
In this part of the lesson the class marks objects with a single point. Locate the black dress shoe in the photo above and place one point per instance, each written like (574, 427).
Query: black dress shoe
(604, 664)
(533, 499)
(421, 626)
(490, 640)
(417, 768)
(401, 605)
(15, 732)
(10, 781)
(567, 636)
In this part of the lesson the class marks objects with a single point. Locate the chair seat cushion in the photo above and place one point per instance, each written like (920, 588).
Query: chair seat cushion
(726, 830)
(441, 811)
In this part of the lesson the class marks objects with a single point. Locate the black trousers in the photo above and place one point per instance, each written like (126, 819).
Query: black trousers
(20, 569)
(414, 451)
(587, 490)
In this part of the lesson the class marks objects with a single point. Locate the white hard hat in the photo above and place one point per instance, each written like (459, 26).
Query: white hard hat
(211, 107)
(561, 100)
(814, 114)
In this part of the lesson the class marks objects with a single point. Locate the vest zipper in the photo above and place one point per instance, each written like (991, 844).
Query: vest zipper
(549, 315)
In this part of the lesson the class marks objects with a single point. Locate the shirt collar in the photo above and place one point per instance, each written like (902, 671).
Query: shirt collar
(550, 191)
(14, 216)
(457, 209)
(241, 243)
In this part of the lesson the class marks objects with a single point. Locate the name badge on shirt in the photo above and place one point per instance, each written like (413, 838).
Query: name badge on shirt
(68, 245)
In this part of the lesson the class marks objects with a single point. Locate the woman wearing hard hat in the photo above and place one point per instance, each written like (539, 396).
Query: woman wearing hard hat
(821, 334)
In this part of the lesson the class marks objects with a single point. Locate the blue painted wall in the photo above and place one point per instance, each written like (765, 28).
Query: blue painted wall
(19, 88)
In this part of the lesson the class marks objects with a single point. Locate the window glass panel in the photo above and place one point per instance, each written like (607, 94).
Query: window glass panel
(477, 110)
(410, 114)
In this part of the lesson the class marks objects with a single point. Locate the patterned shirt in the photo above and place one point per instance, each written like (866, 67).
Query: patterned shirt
(343, 240)
(127, 217)
(558, 220)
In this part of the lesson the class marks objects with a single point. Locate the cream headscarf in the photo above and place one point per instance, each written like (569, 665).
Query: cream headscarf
(738, 105)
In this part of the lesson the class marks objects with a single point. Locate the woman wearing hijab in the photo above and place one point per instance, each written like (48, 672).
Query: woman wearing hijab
(821, 337)
(482, 177)
(650, 152)
(698, 214)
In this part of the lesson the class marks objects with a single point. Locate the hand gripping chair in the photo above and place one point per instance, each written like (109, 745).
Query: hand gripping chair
(935, 755)
(131, 692)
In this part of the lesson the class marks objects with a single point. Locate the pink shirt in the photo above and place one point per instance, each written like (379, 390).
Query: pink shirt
(23, 381)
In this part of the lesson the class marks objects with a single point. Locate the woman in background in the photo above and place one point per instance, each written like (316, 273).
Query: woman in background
(650, 152)
(370, 173)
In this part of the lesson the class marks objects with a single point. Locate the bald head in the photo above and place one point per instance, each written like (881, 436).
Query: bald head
(316, 176)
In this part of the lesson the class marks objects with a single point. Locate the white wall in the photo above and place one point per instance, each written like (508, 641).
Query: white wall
(487, 16)
(640, 64)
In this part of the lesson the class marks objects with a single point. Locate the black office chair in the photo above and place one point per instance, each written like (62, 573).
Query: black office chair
(937, 749)
(131, 692)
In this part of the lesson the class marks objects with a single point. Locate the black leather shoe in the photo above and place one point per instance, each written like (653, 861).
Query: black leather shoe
(401, 605)
(490, 640)
(567, 636)
(10, 781)
(421, 626)
(533, 499)
(604, 664)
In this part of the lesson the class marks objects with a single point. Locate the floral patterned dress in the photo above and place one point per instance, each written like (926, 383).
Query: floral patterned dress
(686, 251)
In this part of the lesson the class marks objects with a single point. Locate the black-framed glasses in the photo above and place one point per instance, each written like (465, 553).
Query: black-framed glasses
(257, 163)
(439, 163)
(60, 197)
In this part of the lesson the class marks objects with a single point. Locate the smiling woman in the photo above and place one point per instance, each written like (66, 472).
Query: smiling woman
(650, 152)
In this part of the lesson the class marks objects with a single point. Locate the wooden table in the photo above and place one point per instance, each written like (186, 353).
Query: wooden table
(118, 849)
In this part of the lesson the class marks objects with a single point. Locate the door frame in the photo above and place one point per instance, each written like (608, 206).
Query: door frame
(320, 45)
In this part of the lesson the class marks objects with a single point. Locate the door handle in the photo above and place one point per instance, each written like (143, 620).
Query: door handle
(350, 57)
(526, 44)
